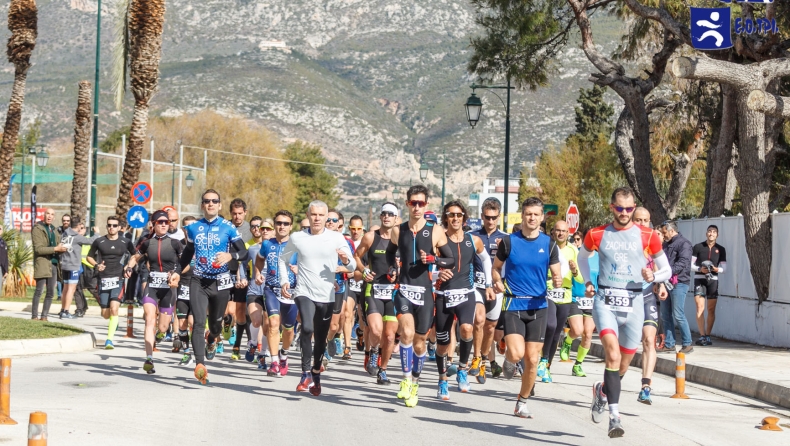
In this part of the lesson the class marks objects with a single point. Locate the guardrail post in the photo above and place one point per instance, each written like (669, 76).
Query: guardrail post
(5, 392)
(680, 377)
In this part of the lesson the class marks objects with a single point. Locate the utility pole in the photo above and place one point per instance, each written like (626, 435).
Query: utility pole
(95, 144)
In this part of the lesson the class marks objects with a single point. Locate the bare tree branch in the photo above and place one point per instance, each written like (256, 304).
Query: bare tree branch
(661, 15)
(706, 69)
(778, 106)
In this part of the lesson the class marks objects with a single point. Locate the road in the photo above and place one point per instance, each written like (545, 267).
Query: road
(104, 397)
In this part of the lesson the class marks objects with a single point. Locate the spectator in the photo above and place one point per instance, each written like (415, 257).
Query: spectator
(46, 247)
(3, 260)
(65, 223)
(708, 260)
(678, 251)
(70, 266)
(174, 231)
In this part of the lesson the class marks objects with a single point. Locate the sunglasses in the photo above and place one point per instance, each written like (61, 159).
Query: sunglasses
(454, 214)
(211, 200)
(417, 203)
(333, 220)
(621, 209)
(491, 217)
(355, 228)
(387, 214)
(282, 223)
(112, 226)
(163, 222)
(255, 226)
(174, 220)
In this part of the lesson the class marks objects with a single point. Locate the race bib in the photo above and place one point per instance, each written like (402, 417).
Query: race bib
(453, 298)
(183, 292)
(157, 280)
(353, 285)
(619, 300)
(556, 295)
(110, 283)
(224, 281)
(383, 291)
(584, 303)
(415, 294)
(480, 279)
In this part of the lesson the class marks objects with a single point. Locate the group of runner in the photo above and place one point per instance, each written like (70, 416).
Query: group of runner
(426, 285)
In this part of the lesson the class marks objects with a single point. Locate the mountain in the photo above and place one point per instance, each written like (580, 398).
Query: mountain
(376, 83)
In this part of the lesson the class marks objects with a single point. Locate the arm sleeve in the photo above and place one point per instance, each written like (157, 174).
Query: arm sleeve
(503, 250)
(94, 249)
(238, 247)
(446, 260)
(554, 256)
(485, 259)
(694, 266)
(722, 260)
(282, 268)
(344, 246)
(584, 263)
(392, 251)
(663, 272)
(722, 266)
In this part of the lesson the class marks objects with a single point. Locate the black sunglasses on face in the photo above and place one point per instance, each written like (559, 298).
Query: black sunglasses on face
(282, 223)
(112, 226)
(491, 217)
(211, 200)
(387, 214)
(333, 220)
(255, 226)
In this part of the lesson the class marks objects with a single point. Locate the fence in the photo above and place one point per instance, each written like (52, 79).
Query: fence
(738, 316)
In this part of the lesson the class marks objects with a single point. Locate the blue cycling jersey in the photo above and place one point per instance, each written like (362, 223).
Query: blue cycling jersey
(271, 251)
(211, 238)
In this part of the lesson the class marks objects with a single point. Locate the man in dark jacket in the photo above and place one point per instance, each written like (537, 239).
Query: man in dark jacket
(46, 248)
(678, 250)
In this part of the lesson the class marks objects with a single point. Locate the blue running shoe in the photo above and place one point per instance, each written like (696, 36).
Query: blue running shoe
(331, 349)
(444, 392)
(232, 338)
(644, 396)
(463, 381)
(338, 345)
(211, 350)
(547, 376)
(220, 347)
(542, 367)
(169, 336)
(108, 345)
(354, 332)
(431, 351)
(452, 369)
(373, 364)
(262, 363)
(250, 355)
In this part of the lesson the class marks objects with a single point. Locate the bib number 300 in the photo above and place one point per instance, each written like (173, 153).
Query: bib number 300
(619, 300)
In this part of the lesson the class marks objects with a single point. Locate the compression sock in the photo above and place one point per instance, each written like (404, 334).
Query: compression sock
(183, 336)
(112, 325)
(227, 320)
(581, 353)
(316, 378)
(465, 351)
(568, 340)
(406, 358)
(239, 333)
(265, 346)
(283, 354)
(611, 387)
(441, 361)
(247, 328)
(419, 362)
(646, 382)
(254, 335)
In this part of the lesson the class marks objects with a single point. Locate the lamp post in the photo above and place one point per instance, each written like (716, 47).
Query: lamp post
(95, 139)
(190, 180)
(474, 108)
(41, 158)
(424, 171)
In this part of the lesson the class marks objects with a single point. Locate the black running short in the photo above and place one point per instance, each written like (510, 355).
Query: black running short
(530, 324)
(706, 288)
(423, 314)
(651, 309)
(238, 295)
(464, 311)
(183, 308)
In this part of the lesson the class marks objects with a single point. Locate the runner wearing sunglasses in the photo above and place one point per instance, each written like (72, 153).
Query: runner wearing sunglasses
(416, 241)
(356, 300)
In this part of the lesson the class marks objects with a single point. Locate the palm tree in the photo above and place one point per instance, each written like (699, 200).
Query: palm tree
(82, 142)
(23, 24)
(144, 23)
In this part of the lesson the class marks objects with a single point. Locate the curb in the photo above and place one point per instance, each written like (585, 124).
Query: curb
(65, 344)
(730, 382)
(93, 310)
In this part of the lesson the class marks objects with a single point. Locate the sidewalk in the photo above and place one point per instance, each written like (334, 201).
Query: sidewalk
(748, 370)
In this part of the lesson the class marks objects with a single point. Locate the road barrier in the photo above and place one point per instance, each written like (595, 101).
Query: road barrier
(5, 392)
(130, 322)
(37, 429)
(680, 377)
(770, 424)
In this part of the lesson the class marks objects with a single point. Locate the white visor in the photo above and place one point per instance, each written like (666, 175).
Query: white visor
(390, 208)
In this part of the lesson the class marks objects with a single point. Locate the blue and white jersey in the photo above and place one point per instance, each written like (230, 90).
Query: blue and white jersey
(211, 238)
(271, 250)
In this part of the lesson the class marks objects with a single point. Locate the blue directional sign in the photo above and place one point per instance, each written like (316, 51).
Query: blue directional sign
(475, 224)
(137, 217)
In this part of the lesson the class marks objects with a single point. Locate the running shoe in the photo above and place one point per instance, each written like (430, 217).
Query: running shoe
(346, 354)
(644, 396)
(381, 378)
(547, 376)
(700, 341)
(367, 359)
(708, 341)
(331, 348)
(201, 374)
(481, 377)
(315, 389)
(360, 332)
(262, 362)
(615, 428)
(326, 360)
(226, 329)
(598, 403)
(250, 355)
(232, 338)
(521, 409)
(186, 360)
(148, 366)
(413, 398)
(168, 336)
(577, 371)
(444, 392)
(463, 381)
(474, 369)
(159, 336)
(211, 351)
(360, 345)
(176, 345)
(405, 389)
(236, 355)
(542, 367)
(452, 369)
(355, 332)
(283, 365)
(565, 352)
(274, 370)
(108, 345)
(220, 347)
(496, 369)
(500, 346)
(431, 351)
(305, 382)
(373, 364)
(508, 369)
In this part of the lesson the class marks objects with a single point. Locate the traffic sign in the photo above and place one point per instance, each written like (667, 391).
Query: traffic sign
(551, 209)
(142, 192)
(572, 217)
(137, 217)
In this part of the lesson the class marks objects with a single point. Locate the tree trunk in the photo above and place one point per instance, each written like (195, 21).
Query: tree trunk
(719, 164)
(134, 158)
(11, 131)
(82, 142)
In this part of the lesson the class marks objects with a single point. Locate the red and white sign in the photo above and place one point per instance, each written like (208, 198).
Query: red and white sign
(572, 217)
(22, 218)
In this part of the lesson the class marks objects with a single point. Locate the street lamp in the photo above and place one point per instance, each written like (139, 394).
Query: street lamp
(190, 180)
(423, 171)
(474, 108)
(42, 158)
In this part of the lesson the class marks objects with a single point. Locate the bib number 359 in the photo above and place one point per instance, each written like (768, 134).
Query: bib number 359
(619, 300)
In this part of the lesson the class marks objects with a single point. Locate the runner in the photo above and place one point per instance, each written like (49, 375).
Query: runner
(183, 307)
(582, 309)
(491, 236)
(618, 308)
(70, 264)
(355, 298)
(530, 255)
(379, 306)
(161, 253)
(237, 307)
(560, 300)
(246, 270)
(107, 256)
(281, 311)
(416, 241)
(455, 298)
(213, 242)
(318, 254)
(334, 222)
